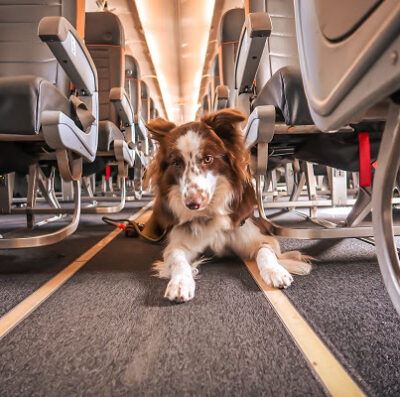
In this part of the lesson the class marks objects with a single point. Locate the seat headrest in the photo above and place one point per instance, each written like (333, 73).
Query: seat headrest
(231, 25)
(104, 28)
(132, 69)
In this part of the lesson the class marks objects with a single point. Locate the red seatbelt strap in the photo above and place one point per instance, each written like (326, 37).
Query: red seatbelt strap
(364, 157)
(107, 172)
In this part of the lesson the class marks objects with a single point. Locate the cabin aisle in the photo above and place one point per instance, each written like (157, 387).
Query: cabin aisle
(108, 331)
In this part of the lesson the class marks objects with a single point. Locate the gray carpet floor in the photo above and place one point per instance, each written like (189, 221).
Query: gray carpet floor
(22, 271)
(108, 331)
(345, 301)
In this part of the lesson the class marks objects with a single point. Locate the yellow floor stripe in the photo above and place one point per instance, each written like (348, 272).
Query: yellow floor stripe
(12, 318)
(329, 370)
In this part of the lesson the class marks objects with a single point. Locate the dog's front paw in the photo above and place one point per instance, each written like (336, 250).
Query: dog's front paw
(180, 289)
(277, 277)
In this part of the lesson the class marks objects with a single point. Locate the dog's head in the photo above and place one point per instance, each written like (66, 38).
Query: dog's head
(202, 167)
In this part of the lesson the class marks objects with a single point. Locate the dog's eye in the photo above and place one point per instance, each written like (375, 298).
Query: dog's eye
(208, 159)
(176, 163)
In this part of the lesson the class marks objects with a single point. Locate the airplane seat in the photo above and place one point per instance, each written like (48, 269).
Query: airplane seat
(349, 63)
(278, 79)
(42, 54)
(274, 78)
(205, 105)
(228, 40)
(269, 81)
(152, 109)
(218, 95)
(104, 37)
(32, 82)
(132, 84)
(267, 73)
(145, 99)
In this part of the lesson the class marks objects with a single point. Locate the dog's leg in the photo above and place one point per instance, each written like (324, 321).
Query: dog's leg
(274, 274)
(181, 286)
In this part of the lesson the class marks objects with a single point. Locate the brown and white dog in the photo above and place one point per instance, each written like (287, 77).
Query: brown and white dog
(204, 195)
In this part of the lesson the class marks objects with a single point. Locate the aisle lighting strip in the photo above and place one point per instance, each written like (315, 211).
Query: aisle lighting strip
(155, 45)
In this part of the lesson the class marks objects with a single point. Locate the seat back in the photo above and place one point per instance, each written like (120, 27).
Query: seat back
(348, 56)
(214, 80)
(228, 39)
(205, 105)
(132, 84)
(281, 47)
(21, 50)
(104, 36)
(145, 99)
(152, 109)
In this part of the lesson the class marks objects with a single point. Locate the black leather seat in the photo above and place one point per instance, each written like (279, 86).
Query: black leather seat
(285, 91)
(108, 133)
(22, 101)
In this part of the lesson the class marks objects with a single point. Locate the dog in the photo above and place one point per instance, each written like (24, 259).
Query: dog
(205, 197)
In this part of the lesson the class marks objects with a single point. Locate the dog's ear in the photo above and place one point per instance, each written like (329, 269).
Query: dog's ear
(224, 122)
(159, 128)
(243, 204)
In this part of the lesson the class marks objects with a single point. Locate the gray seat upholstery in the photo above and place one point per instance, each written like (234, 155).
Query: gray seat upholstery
(285, 91)
(205, 104)
(22, 51)
(132, 84)
(104, 36)
(278, 78)
(339, 19)
(152, 109)
(108, 133)
(229, 34)
(105, 39)
(281, 47)
(214, 80)
(145, 100)
(31, 79)
(22, 101)
(347, 64)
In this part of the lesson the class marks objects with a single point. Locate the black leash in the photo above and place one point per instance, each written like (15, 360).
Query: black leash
(133, 229)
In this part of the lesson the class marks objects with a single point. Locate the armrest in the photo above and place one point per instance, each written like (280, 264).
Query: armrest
(120, 99)
(260, 126)
(256, 29)
(70, 51)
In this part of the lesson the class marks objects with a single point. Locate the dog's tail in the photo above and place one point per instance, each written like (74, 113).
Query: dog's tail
(295, 262)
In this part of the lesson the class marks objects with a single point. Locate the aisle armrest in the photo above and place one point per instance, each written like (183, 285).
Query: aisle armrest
(71, 52)
(255, 31)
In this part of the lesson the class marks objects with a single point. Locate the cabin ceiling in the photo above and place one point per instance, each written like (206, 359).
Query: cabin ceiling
(177, 35)
(174, 42)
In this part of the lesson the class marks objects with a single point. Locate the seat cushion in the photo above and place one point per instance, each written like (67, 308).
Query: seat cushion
(22, 101)
(285, 91)
(108, 133)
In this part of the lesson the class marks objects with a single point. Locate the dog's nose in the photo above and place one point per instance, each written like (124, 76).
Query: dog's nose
(193, 202)
(193, 206)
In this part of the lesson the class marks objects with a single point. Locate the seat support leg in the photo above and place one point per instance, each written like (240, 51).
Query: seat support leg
(384, 182)
(32, 195)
